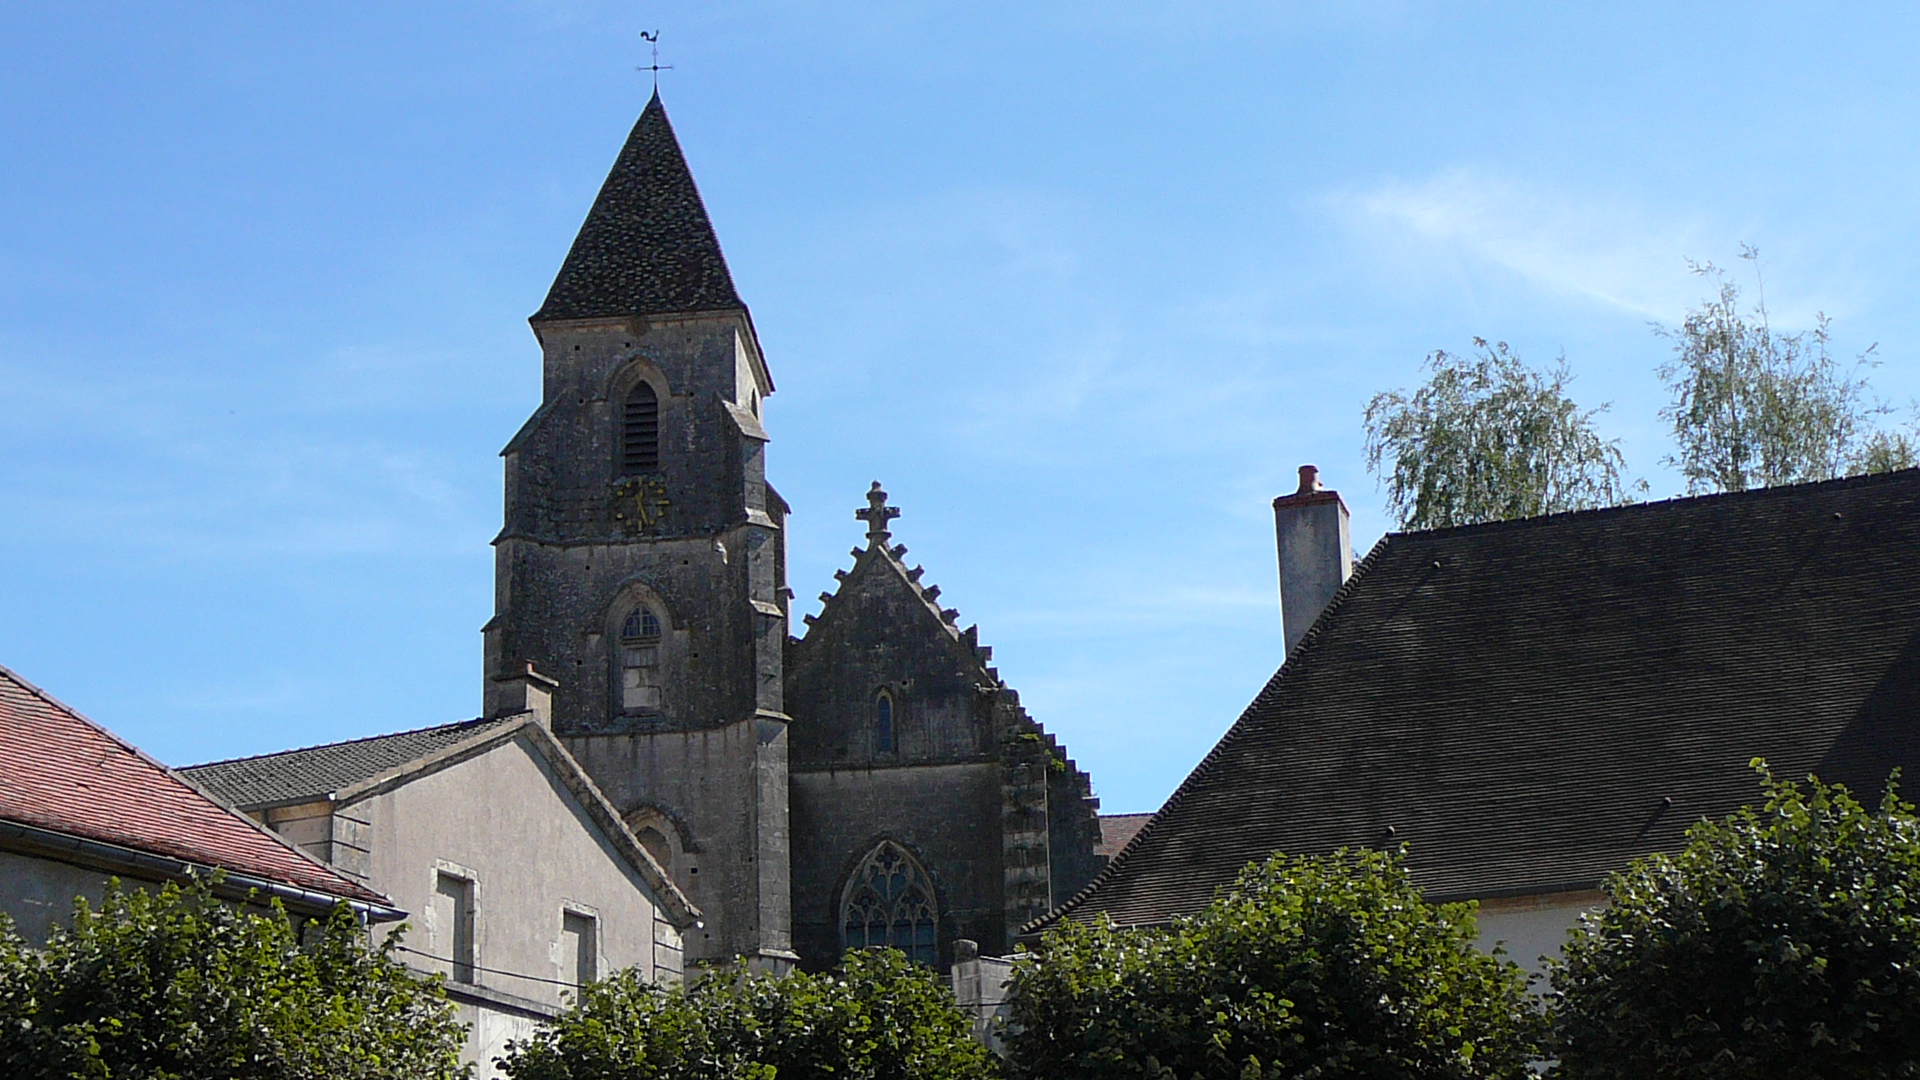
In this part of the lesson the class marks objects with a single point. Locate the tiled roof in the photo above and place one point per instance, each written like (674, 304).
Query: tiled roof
(1116, 830)
(647, 247)
(1517, 702)
(315, 772)
(61, 772)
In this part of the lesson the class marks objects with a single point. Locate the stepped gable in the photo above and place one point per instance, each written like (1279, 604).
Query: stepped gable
(887, 558)
(647, 246)
(882, 557)
(1528, 705)
(314, 772)
(63, 774)
(883, 631)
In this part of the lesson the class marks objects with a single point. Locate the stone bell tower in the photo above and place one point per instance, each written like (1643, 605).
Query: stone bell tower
(643, 562)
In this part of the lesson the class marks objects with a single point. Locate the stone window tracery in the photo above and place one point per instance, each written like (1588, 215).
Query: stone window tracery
(890, 902)
(640, 661)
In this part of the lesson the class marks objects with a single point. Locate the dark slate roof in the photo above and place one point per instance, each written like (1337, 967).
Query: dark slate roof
(61, 772)
(317, 771)
(646, 247)
(1515, 701)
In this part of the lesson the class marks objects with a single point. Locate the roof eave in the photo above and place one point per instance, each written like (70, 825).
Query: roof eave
(145, 865)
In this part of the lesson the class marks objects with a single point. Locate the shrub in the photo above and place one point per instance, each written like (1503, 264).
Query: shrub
(879, 1017)
(1781, 942)
(1307, 967)
(178, 984)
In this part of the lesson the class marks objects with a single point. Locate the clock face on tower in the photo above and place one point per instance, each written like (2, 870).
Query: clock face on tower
(640, 504)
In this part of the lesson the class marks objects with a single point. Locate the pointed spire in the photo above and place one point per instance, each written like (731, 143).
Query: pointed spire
(647, 247)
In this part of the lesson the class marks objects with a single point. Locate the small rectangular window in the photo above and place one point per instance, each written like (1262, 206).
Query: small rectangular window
(579, 948)
(453, 912)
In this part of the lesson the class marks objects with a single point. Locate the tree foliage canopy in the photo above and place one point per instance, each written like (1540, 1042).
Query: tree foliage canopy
(1489, 438)
(1307, 967)
(1753, 407)
(1781, 942)
(880, 1017)
(178, 984)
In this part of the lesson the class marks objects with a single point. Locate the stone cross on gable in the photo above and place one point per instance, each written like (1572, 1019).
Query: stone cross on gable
(876, 515)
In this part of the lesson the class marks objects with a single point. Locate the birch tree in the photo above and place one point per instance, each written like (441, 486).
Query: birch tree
(1489, 438)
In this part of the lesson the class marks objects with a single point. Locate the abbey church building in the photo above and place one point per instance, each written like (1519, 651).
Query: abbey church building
(873, 782)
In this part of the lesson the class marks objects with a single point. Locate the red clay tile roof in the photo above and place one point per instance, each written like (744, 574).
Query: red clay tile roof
(62, 772)
(1116, 830)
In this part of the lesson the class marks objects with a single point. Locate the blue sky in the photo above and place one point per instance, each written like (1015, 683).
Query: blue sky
(1081, 283)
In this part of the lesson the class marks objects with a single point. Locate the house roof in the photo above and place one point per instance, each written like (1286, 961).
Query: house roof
(315, 772)
(64, 774)
(647, 246)
(1116, 830)
(350, 771)
(1527, 705)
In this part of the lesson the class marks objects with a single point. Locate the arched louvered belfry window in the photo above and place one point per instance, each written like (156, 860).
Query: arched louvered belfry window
(640, 431)
(889, 901)
(640, 661)
(883, 723)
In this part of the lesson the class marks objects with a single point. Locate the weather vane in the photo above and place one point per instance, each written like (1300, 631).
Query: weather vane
(653, 39)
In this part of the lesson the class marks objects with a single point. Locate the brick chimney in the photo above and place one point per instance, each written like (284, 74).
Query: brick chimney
(1316, 552)
(520, 689)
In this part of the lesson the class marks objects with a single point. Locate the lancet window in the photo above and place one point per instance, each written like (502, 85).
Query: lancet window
(883, 723)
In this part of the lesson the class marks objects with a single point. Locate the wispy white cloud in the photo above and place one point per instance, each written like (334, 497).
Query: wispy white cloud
(1604, 249)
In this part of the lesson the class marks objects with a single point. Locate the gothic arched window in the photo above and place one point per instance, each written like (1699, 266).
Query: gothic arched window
(883, 723)
(890, 902)
(640, 661)
(640, 431)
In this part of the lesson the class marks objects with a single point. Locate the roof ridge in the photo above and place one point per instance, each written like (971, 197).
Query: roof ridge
(475, 722)
(1650, 505)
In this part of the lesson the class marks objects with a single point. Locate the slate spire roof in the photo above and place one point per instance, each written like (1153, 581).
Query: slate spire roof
(647, 247)
(1528, 705)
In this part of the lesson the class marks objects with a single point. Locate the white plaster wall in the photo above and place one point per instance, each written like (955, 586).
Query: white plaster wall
(488, 1031)
(533, 853)
(1533, 928)
(37, 894)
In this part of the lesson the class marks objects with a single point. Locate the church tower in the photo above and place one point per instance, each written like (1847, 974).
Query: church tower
(643, 563)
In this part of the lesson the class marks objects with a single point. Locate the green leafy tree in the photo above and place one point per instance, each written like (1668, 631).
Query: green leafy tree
(1753, 407)
(1489, 438)
(1306, 967)
(177, 984)
(1781, 942)
(1885, 451)
(880, 1017)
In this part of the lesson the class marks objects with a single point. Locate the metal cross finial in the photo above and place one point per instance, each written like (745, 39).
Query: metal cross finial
(653, 38)
(876, 515)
